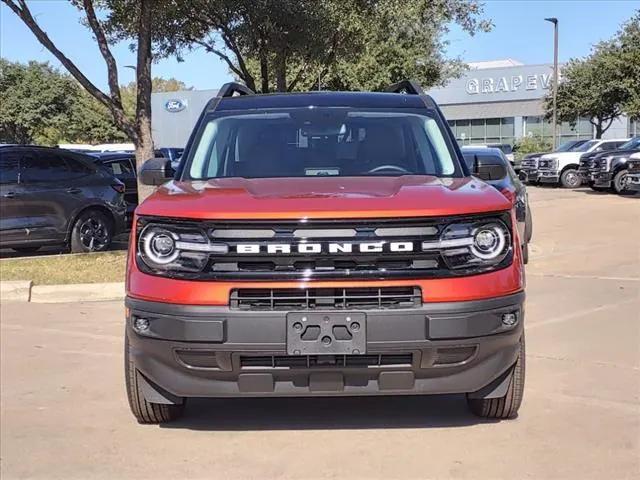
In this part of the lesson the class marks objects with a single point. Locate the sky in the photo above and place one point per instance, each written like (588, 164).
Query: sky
(519, 32)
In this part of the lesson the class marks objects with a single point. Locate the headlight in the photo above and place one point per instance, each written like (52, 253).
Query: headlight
(472, 244)
(488, 241)
(606, 163)
(159, 246)
(549, 163)
(172, 248)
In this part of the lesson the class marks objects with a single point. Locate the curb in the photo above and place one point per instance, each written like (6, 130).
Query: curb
(25, 291)
(15, 291)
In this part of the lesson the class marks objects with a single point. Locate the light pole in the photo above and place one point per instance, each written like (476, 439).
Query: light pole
(555, 79)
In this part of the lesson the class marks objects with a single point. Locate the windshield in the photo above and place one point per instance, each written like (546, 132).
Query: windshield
(332, 141)
(586, 146)
(570, 145)
(633, 144)
(505, 147)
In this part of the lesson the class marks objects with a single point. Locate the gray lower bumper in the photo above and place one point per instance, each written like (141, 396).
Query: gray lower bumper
(633, 182)
(548, 176)
(603, 179)
(413, 346)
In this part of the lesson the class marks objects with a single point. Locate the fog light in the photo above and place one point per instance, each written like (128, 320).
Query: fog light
(141, 324)
(509, 319)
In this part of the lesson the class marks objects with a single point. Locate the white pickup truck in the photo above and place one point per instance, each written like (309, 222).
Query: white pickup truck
(562, 167)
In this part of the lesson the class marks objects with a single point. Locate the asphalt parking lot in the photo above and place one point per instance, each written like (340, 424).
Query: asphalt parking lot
(64, 411)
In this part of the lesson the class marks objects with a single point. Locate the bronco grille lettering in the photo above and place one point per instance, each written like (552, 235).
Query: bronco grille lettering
(332, 247)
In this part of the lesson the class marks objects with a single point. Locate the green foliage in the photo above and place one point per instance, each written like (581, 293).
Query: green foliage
(285, 45)
(529, 145)
(38, 104)
(34, 101)
(603, 85)
(403, 40)
(624, 50)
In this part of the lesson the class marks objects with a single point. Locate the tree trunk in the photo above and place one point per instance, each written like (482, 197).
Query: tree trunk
(264, 72)
(599, 131)
(144, 143)
(281, 72)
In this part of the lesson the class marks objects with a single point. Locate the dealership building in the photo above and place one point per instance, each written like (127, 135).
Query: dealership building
(493, 102)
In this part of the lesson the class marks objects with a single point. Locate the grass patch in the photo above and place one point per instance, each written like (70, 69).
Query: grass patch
(65, 269)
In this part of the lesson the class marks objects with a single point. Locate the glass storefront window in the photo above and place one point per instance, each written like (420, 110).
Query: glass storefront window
(493, 128)
(484, 130)
(538, 127)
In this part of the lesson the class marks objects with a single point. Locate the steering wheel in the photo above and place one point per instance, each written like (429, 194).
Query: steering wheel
(394, 168)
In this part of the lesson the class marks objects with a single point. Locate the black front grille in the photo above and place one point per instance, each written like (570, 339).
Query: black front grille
(634, 167)
(325, 361)
(325, 298)
(324, 249)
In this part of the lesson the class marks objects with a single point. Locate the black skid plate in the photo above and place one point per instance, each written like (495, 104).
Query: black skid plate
(333, 333)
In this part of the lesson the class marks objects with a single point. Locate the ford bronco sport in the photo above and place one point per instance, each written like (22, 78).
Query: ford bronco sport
(323, 244)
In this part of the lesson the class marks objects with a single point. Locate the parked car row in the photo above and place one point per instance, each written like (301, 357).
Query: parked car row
(600, 164)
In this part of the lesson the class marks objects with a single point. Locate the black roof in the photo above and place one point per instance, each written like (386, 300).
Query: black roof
(322, 99)
(105, 156)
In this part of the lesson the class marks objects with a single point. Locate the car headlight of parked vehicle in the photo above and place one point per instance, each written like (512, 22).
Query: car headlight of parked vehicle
(174, 248)
(466, 244)
(605, 164)
(550, 163)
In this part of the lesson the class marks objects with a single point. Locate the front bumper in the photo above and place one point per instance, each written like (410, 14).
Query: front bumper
(529, 175)
(586, 175)
(602, 179)
(633, 182)
(548, 176)
(453, 347)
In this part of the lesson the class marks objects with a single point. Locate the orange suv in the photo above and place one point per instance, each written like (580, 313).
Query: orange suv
(323, 244)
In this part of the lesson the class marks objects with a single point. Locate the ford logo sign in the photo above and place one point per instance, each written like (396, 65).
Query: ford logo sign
(174, 105)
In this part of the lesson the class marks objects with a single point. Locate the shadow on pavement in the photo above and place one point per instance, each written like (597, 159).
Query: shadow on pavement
(238, 414)
(605, 193)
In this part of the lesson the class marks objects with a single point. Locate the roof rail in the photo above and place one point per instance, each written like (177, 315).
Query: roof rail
(232, 88)
(409, 87)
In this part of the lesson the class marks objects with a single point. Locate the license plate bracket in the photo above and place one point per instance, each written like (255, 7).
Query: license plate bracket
(333, 333)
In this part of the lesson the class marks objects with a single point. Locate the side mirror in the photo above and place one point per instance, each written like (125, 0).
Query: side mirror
(156, 171)
(489, 168)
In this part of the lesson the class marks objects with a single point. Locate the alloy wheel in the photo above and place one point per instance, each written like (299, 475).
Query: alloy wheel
(94, 234)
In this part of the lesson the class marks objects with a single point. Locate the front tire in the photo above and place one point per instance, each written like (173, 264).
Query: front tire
(92, 232)
(507, 406)
(144, 411)
(619, 182)
(570, 178)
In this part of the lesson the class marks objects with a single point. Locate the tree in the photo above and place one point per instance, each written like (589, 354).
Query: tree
(603, 85)
(286, 45)
(33, 97)
(139, 130)
(624, 49)
(38, 104)
(405, 40)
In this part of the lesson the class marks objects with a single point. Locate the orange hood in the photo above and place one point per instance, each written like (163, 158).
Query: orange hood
(323, 197)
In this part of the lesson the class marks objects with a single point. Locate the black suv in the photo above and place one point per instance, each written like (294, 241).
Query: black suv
(50, 196)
